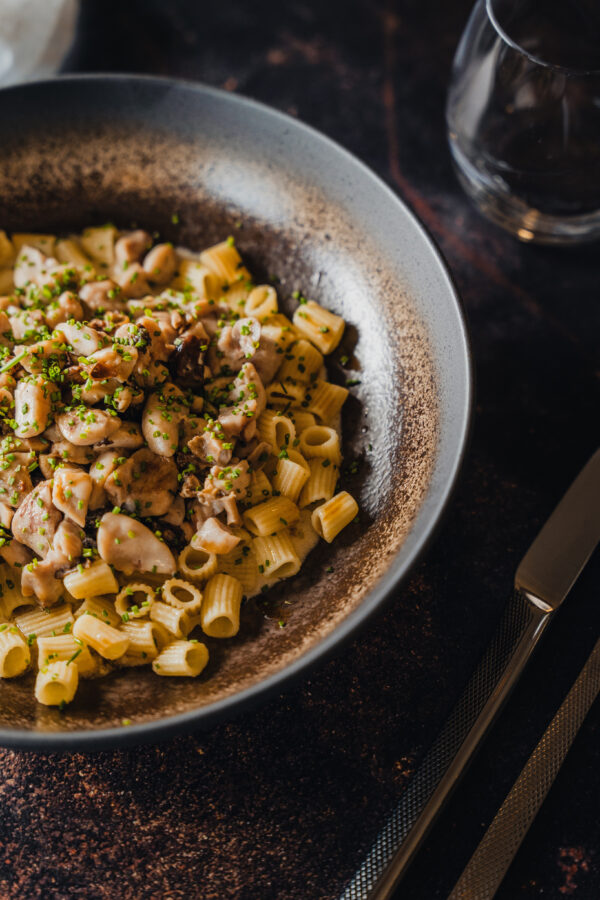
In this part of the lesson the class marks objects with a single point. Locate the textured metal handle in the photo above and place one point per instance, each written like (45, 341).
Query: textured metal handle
(489, 864)
(513, 643)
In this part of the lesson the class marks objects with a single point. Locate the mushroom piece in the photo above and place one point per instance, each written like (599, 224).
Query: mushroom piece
(214, 537)
(145, 484)
(130, 547)
(71, 493)
(160, 263)
(186, 364)
(5, 330)
(84, 426)
(36, 520)
(67, 452)
(160, 419)
(33, 406)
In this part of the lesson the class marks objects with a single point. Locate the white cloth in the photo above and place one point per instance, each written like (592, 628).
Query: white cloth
(35, 37)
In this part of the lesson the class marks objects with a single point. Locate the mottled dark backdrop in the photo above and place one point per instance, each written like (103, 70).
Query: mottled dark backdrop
(280, 804)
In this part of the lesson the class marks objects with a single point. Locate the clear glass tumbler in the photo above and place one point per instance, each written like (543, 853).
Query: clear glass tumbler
(523, 116)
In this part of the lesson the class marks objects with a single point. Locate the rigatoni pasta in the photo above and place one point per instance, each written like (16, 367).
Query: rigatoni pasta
(181, 658)
(220, 613)
(271, 516)
(14, 652)
(173, 447)
(329, 519)
(56, 683)
(322, 327)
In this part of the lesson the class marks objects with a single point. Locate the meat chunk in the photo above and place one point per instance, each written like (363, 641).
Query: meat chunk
(248, 400)
(213, 445)
(225, 480)
(43, 578)
(36, 520)
(214, 537)
(15, 480)
(71, 493)
(145, 484)
(104, 294)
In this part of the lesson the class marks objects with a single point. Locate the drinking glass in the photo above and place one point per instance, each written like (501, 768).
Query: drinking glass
(523, 116)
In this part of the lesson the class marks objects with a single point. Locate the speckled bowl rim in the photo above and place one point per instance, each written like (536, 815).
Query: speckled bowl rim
(421, 535)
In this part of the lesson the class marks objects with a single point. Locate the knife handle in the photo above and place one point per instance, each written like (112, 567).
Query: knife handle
(487, 867)
(513, 643)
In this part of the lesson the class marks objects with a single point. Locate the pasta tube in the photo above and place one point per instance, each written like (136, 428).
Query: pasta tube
(197, 564)
(91, 582)
(301, 361)
(14, 652)
(220, 613)
(56, 684)
(276, 429)
(134, 601)
(291, 474)
(181, 658)
(224, 260)
(144, 638)
(320, 326)
(241, 564)
(321, 482)
(182, 595)
(324, 400)
(271, 516)
(100, 607)
(45, 622)
(67, 648)
(321, 442)
(259, 489)
(103, 638)
(176, 621)
(329, 519)
(261, 302)
(276, 556)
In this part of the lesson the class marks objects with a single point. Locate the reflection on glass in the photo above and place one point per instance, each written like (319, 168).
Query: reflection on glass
(524, 116)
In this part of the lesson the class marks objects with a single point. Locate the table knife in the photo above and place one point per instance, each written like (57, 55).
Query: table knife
(487, 867)
(543, 579)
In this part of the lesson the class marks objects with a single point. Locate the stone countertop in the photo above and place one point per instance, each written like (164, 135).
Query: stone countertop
(282, 802)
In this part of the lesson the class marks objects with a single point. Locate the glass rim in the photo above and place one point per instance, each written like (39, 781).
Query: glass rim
(489, 8)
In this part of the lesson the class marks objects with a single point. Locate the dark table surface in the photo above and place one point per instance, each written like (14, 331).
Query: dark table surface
(283, 802)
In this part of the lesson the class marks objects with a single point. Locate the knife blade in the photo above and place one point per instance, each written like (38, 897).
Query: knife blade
(543, 579)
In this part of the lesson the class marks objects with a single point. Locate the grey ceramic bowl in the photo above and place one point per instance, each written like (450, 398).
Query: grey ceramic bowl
(87, 150)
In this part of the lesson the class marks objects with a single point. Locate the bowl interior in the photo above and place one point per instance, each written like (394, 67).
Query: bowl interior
(83, 151)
